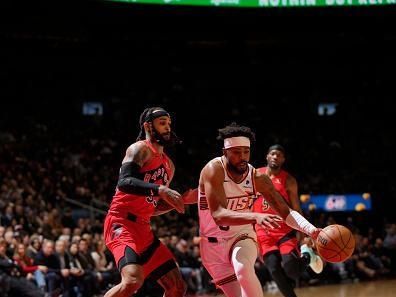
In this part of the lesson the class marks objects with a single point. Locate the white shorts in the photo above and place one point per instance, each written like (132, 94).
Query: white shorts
(216, 256)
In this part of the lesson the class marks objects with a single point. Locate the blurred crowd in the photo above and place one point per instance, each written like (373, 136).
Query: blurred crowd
(59, 168)
(51, 247)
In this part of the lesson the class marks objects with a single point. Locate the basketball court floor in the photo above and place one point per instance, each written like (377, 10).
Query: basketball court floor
(381, 288)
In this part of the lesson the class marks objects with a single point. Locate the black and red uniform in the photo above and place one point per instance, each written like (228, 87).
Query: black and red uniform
(127, 229)
(283, 238)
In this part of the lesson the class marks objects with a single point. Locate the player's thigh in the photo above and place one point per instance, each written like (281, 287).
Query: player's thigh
(267, 244)
(132, 274)
(244, 251)
(290, 246)
(215, 258)
(157, 261)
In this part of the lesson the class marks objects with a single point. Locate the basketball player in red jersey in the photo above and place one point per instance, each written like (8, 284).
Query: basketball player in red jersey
(144, 179)
(279, 246)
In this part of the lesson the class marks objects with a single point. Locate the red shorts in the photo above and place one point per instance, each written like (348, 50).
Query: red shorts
(284, 243)
(134, 243)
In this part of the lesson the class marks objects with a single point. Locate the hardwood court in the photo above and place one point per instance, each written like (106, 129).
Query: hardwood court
(381, 288)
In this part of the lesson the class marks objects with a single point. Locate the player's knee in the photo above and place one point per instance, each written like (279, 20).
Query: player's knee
(292, 265)
(132, 284)
(243, 271)
(132, 281)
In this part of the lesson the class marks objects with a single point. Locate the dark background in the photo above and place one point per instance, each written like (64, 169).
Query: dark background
(265, 68)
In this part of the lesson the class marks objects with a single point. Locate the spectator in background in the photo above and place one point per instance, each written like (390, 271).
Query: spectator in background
(61, 248)
(67, 219)
(184, 259)
(390, 244)
(57, 278)
(106, 269)
(28, 270)
(83, 280)
(12, 284)
(34, 246)
(390, 238)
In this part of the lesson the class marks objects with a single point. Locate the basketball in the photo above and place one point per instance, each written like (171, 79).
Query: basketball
(335, 243)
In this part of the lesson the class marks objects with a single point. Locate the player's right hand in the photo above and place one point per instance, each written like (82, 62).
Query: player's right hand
(268, 220)
(172, 197)
(315, 233)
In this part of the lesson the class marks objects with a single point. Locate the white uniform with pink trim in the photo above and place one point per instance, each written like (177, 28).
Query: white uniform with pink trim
(217, 240)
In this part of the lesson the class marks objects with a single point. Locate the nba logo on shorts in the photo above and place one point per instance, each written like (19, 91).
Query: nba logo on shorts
(116, 231)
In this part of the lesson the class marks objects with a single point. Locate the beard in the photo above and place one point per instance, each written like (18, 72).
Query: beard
(237, 169)
(165, 139)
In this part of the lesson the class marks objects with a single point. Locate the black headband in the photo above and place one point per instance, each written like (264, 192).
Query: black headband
(277, 147)
(156, 113)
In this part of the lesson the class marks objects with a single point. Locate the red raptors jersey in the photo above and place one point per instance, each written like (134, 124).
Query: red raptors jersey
(157, 171)
(261, 205)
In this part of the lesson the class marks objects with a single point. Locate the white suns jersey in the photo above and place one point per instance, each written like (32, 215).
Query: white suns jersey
(240, 197)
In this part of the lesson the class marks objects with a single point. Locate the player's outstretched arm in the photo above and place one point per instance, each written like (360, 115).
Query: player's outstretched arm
(292, 191)
(130, 180)
(292, 218)
(188, 197)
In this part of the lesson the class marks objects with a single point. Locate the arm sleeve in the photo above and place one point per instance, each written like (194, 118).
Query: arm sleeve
(298, 222)
(129, 181)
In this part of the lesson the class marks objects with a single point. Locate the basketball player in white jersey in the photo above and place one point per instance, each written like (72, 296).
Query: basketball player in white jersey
(227, 188)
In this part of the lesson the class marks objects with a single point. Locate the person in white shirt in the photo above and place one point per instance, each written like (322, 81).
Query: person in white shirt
(227, 189)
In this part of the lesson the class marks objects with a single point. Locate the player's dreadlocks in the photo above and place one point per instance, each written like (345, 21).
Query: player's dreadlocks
(149, 115)
(142, 119)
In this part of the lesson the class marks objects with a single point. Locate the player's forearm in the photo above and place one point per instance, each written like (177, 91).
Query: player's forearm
(298, 222)
(291, 217)
(226, 217)
(277, 202)
(129, 181)
(132, 185)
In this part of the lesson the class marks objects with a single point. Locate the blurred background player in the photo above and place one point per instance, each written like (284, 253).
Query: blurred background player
(280, 246)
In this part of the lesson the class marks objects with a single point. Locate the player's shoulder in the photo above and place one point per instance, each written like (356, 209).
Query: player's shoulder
(138, 150)
(140, 145)
(289, 177)
(213, 166)
(261, 170)
(214, 163)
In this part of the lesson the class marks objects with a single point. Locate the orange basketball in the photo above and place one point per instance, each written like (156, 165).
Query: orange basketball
(335, 243)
